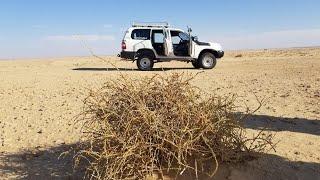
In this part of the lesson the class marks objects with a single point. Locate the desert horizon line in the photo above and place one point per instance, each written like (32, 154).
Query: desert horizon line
(112, 55)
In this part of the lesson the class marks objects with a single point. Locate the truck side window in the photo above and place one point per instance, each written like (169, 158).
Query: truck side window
(141, 34)
(157, 36)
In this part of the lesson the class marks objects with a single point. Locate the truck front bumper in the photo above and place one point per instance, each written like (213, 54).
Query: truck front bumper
(220, 54)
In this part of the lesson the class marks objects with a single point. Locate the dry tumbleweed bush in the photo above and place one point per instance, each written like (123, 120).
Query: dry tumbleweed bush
(159, 124)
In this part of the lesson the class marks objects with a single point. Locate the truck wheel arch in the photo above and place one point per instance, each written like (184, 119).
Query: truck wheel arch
(148, 52)
(214, 52)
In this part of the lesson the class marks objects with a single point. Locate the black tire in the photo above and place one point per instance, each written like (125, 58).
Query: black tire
(145, 63)
(196, 64)
(207, 61)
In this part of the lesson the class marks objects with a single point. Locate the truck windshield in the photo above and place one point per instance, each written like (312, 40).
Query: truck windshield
(184, 36)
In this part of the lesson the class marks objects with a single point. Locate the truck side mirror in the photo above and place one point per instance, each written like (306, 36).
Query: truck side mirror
(195, 38)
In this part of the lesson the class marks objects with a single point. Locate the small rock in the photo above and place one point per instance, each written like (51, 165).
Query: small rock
(310, 143)
(39, 132)
(284, 95)
(59, 142)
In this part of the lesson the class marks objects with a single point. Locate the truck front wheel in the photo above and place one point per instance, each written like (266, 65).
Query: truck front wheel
(207, 61)
(196, 64)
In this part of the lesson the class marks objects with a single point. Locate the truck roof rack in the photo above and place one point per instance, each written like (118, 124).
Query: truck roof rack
(151, 24)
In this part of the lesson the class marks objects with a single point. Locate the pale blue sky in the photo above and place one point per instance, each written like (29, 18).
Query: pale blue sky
(39, 28)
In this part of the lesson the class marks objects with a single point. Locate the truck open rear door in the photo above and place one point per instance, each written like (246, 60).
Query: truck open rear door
(168, 46)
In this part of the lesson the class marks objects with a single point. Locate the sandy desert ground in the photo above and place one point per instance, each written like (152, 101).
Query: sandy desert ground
(40, 98)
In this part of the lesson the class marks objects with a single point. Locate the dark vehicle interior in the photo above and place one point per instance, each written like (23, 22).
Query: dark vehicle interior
(180, 42)
(158, 42)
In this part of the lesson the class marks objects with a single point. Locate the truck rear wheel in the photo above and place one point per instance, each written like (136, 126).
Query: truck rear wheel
(207, 61)
(145, 63)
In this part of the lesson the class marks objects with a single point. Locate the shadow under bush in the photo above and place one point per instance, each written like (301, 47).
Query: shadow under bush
(159, 125)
